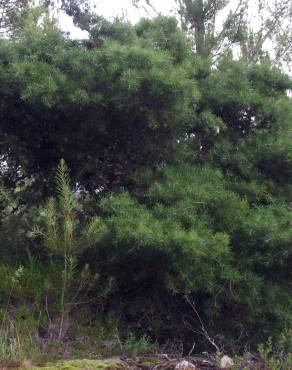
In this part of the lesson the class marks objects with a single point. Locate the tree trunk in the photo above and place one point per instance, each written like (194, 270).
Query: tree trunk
(199, 25)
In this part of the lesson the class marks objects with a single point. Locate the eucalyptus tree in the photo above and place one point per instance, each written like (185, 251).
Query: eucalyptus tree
(82, 11)
(270, 33)
(12, 14)
(261, 29)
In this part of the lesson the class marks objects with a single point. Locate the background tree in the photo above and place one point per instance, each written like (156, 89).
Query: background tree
(273, 36)
(200, 19)
(259, 28)
(12, 15)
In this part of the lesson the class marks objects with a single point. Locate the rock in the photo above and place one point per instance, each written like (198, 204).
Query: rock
(26, 364)
(185, 365)
(226, 362)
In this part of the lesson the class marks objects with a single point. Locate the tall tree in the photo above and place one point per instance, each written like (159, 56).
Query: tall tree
(272, 35)
(199, 19)
(12, 14)
(261, 28)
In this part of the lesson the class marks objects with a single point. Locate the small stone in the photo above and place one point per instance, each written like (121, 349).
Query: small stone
(185, 365)
(26, 364)
(226, 362)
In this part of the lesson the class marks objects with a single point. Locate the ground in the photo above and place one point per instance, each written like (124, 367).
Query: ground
(80, 364)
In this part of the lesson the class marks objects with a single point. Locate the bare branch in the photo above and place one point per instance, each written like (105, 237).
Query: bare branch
(148, 3)
(203, 331)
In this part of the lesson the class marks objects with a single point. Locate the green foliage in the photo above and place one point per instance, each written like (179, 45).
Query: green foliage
(69, 93)
(138, 346)
(276, 356)
(162, 33)
(200, 237)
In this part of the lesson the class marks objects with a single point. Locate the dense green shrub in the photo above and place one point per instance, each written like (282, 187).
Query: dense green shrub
(109, 110)
(191, 235)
